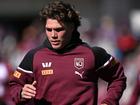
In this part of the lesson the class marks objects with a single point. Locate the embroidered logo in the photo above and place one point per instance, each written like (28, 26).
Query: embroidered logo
(47, 72)
(47, 68)
(17, 74)
(46, 64)
(80, 74)
(79, 63)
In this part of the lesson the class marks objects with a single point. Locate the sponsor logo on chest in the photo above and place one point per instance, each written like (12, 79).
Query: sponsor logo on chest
(46, 64)
(47, 68)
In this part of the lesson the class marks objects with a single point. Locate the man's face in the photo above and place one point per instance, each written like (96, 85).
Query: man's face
(57, 34)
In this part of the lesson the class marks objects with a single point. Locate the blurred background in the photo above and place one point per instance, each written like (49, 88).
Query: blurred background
(111, 24)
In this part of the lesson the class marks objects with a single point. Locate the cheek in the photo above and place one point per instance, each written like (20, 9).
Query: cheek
(62, 35)
(48, 34)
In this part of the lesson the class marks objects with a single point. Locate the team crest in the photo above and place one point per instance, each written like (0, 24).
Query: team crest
(79, 63)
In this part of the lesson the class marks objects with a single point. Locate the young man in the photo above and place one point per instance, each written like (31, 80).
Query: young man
(64, 70)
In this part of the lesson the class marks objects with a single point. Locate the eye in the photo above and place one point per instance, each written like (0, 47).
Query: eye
(49, 29)
(59, 29)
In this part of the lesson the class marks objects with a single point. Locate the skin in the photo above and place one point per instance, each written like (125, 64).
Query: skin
(59, 35)
(28, 91)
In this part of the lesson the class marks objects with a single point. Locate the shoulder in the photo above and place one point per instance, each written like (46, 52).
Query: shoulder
(34, 51)
(30, 54)
(101, 56)
(100, 52)
(27, 60)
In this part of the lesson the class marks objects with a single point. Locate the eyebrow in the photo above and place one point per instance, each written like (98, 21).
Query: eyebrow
(56, 29)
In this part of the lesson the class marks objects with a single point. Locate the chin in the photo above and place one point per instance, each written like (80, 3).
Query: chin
(56, 47)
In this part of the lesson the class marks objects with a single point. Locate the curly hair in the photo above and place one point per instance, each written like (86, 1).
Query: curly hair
(62, 12)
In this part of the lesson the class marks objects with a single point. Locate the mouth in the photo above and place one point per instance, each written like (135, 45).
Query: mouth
(55, 42)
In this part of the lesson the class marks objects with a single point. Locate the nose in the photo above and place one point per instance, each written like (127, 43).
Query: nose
(53, 33)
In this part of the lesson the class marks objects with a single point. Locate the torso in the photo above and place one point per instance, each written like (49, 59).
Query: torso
(66, 79)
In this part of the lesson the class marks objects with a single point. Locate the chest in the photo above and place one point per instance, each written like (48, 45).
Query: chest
(71, 66)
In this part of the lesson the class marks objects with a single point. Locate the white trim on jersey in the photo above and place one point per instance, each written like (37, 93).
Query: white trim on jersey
(26, 71)
(106, 63)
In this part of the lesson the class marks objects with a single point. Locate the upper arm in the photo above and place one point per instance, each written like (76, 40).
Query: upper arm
(107, 66)
(101, 57)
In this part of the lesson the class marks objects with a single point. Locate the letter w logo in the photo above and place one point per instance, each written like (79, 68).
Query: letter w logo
(47, 64)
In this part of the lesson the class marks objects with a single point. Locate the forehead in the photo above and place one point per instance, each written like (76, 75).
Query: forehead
(52, 23)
